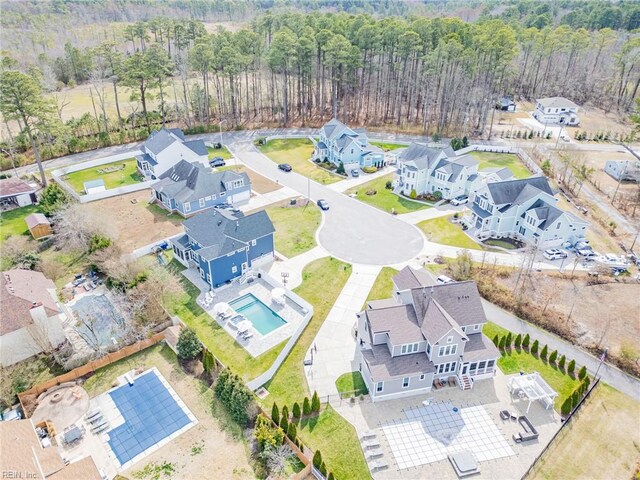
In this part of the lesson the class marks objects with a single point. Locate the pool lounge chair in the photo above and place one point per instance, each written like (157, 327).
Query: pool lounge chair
(97, 428)
(93, 414)
(247, 335)
(371, 454)
(378, 465)
(370, 444)
(104, 427)
(96, 420)
(368, 434)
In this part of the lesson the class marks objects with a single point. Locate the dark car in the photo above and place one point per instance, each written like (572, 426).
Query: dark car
(285, 167)
(217, 162)
(323, 204)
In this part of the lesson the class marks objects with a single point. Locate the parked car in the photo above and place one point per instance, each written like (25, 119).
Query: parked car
(223, 206)
(588, 254)
(462, 199)
(355, 173)
(323, 204)
(444, 279)
(285, 167)
(554, 254)
(217, 162)
(582, 245)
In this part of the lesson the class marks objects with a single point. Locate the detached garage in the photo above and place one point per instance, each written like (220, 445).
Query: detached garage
(16, 193)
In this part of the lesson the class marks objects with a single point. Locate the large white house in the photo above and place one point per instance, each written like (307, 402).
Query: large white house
(524, 210)
(557, 110)
(422, 337)
(340, 144)
(428, 170)
(31, 317)
(167, 147)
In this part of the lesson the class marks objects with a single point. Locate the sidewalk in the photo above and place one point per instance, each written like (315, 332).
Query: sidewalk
(428, 214)
(336, 346)
(294, 266)
(350, 182)
(261, 200)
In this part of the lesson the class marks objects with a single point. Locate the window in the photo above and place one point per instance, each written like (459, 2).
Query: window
(207, 198)
(409, 348)
(213, 197)
(253, 243)
(446, 367)
(187, 207)
(428, 348)
(234, 269)
(379, 386)
(476, 327)
(222, 194)
(208, 278)
(405, 382)
(422, 376)
(558, 225)
(447, 350)
(449, 339)
(201, 202)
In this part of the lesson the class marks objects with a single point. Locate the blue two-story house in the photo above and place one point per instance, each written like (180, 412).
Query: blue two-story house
(340, 144)
(189, 188)
(222, 245)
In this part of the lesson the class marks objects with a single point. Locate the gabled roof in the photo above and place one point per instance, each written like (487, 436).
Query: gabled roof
(161, 139)
(398, 321)
(197, 146)
(220, 232)
(419, 155)
(36, 219)
(14, 186)
(503, 173)
(556, 102)
(409, 278)
(450, 169)
(383, 366)
(519, 190)
(465, 160)
(437, 323)
(479, 348)
(460, 300)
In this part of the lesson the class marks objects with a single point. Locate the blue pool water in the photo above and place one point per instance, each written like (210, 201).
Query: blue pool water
(150, 413)
(264, 319)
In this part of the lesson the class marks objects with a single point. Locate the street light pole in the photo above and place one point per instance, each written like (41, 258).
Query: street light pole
(220, 126)
(558, 139)
(602, 359)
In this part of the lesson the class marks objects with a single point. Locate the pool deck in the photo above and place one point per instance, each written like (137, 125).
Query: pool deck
(291, 311)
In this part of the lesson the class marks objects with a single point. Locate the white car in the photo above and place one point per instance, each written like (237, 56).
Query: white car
(442, 279)
(588, 254)
(462, 199)
(554, 254)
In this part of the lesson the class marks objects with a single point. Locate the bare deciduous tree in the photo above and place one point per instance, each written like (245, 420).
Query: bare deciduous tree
(76, 224)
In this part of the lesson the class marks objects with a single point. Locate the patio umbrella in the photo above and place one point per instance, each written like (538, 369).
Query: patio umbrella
(244, 325)
(222, 307)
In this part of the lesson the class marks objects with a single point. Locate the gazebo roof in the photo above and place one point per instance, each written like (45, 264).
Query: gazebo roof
(533, 385)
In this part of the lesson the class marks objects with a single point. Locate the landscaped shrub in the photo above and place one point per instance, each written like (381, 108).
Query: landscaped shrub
(502, 342)
(496, 340)
(296, 410)
(208, 361)
(284, 423)
(234, 395)
(534, 348)
(331, 477)
(563, 359)
(553, 357)
(388, 185)
(525, 342)
(413, 194)
(582, 373)
(306, 406)
(317, 459)
(508, 341)
(285, 412)
(292, 432)
(571, 367)
(575, 398)
(266, 433)
(188, 346)
(323, 469)
(98, 242)
(369, 169)
(544, 352)
(518, 341)
(52, 199)
(437, 195)
(586, 382)
(340, 170)
(315, 402)
(565, 408)
(275, 414)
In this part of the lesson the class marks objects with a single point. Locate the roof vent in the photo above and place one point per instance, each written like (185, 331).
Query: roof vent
(219, 222)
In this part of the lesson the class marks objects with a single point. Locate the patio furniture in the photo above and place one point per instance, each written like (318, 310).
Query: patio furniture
(101, 429)
(452, 382)
(378, 465)
(368, 434)
(505, 415)
(370, 444)
(96, 420)
(98, 427)
(92, 414)
(463, 463)
(247, 335)
(530, 432)
(371, 454)
(72, 435)
(244, 326)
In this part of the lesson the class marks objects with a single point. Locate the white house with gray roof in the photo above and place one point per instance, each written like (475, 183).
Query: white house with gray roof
(165, 148)
(189, 188)
(422, 337)
(338, 143)
(524, 210)
(556, 110)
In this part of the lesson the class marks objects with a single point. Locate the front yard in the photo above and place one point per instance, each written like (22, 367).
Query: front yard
(441, 230)
(116, 174)
(219, 152)
(295, 225)
(297, 152)
(12, 222)
(384, 198)
(383, 286)
(500, 160)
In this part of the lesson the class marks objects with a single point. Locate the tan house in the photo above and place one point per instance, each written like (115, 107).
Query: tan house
(24, 455)
(39, 225)
(30, 317)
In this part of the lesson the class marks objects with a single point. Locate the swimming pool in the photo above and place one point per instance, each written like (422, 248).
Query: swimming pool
(151, 414)
(264, 319)
(98, 321)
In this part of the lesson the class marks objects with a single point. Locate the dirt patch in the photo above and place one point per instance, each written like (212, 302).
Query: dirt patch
(258, 183)
(137, 223)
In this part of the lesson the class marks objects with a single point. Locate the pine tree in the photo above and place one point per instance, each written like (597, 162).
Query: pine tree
(565, 408)
(323, 469)
(275, 414)
(586, 382)
(561, 363)
(544, 352)
(315, 402)
(296, 410)
(571, 367)
(525, 342)
(292, 432)
(518, 341)
(496, 340)
(306, 406)
(508, 341)
(317, 459)
(582, 373)
(331, 477)
(553, 357)
(534, 347)
(285, 412)
(502, 342)
(284, 424)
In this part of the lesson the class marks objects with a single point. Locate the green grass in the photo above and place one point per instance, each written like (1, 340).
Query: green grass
(352, 382)
(441, 230)
(491, 329)
(297, 152)
(12, 222)
(219, 152)
(385, 199)
(24, 375)
(388, 146)
(295, 227)
(499, 160)
(127, 176)
(494, 242)
(383, 286)
(214, 337)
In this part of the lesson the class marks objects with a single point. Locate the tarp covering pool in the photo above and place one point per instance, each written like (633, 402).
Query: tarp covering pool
(98, 320)
(264, 319)
(151, 414)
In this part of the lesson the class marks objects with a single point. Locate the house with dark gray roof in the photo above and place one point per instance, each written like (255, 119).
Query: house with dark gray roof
(426, 335)
(340, 144)
(222, 245)
(556, 110)
(189, 188)
(525, 210)
(166, 147)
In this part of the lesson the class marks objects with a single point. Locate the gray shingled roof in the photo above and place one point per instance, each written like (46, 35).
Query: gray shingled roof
(556, 102)
(220, 232)
(437, 322)
(161, 139)
(465, 160)
(383, 366)
(545, 212)
(197, 146)
(513, 191)
(145, 157)
(421, 155)
(399, 322)
(461, 300)
(409, 278)
(479, 348)
(452, 169)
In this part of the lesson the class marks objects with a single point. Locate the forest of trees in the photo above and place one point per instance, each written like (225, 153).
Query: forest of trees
(440, 75)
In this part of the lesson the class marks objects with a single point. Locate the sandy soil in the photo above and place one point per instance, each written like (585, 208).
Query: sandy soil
(137, 224)
(597, 160)
(259, 183)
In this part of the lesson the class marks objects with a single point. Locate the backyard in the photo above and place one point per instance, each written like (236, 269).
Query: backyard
(384, 198)
(351, 384)
(219, 152)
(12, 221)
(297, 152)
(295, 225)
(500, 160)
(24, 375)
(388, 146)
(116, 174)
(441, 230)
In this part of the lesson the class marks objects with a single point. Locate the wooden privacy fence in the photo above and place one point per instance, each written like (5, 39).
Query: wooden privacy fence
(28, 396)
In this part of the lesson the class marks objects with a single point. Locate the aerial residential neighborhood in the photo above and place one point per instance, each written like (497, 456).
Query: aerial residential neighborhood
(322, 239)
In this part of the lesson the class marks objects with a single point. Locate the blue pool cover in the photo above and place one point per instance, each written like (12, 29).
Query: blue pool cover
(150, 415)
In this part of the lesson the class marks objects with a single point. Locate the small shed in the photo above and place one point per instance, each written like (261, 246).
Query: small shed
(38, 225)
(94, 186)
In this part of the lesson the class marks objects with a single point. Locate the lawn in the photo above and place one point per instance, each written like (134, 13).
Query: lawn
(214, 337)
(382, 287)
(385, 199)
(12, 222)
(441, 230)
(219, 152)
(24, 375)
(491, 329)
(297, 152)
(119, 178)
(352, 382)
(499, 160)
(600, 442)
(388, 146)
(296, 227)
(494, 242)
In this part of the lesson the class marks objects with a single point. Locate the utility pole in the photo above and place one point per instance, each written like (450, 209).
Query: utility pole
(624, 170)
